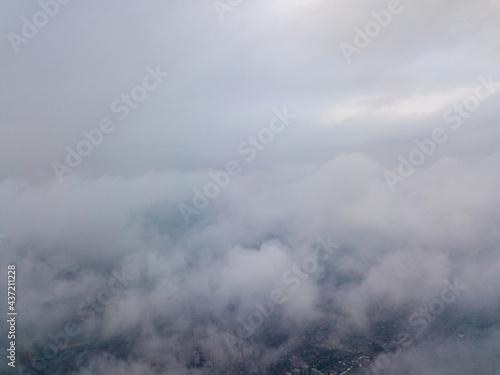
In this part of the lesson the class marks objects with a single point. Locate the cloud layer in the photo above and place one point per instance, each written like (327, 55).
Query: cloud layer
(105, 252)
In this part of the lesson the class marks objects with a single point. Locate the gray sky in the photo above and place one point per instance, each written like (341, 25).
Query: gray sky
(326, 173)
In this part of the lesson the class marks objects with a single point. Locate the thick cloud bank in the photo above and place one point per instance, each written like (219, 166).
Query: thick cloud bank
(221, 187)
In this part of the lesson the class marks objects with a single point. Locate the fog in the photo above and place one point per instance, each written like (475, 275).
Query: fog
(191, 177)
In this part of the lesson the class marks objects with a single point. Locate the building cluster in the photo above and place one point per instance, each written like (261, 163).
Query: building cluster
(210, 352)
(305, 370)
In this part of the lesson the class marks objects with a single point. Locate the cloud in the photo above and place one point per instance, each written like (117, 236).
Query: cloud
(194, 283)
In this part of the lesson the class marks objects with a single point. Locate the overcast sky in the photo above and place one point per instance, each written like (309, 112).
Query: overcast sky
(335, 153)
